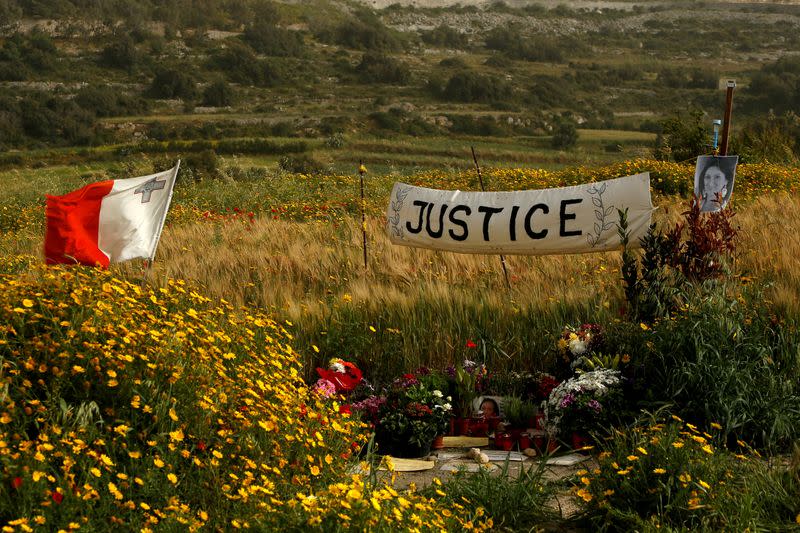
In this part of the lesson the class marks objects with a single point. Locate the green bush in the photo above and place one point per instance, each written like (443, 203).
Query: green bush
(674, 475)
(445, 37)
(377, 67)
(728, 360)
(172, 83)
(685, 136)
(268, 39)
(565, 135)
(120, 53)
(514, 502)
(106, 101)
(241, 65)
(219, 94)
(476, 88)
(301, 164)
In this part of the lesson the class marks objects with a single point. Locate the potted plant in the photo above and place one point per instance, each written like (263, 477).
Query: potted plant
(408, 417)
(518, 413)
(466, 378)
(584, 405)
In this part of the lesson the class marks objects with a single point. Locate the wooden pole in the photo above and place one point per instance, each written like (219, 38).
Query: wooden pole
(361, 171)
(726, 124)
(480, 180)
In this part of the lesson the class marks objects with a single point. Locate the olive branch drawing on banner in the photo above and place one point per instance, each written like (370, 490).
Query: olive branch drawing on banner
(396, 206)
(601, 213)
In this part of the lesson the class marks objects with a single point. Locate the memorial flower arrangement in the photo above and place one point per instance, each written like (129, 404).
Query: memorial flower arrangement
(407, 416)
(577, 344)
(585, 403)
(467, 379)
(342, 375)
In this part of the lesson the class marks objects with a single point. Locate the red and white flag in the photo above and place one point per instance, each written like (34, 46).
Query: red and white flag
(108, 221)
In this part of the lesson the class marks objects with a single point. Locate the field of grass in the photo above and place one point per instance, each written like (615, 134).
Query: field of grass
(275, 285)
(292, 245)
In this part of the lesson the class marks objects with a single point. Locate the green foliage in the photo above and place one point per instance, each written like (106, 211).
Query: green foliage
(549, 91)
(202, 165)
(172, 83)
(771, 139)
(266, 38)
(565, 135)
(377, 67)
(106, 101)
(121, 53)
(776, 87)
(516, 502)
(511, 42)
(24, 56)
(685, 137)
(219, 94)
(518, 411)
(671, 475)
(728, 360)
(241, 65)
(301, 164)
(445, 37)
(476, 88)
(364, 31)
(681, 78)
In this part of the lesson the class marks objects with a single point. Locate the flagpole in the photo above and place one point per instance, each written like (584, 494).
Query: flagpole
(164, 217)
(480, 180)
(361, 170)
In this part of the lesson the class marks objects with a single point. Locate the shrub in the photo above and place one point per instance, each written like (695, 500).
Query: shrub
(301, 164)
(106, 101)
(445, 37)
(240, 64)
(565, 135)
(268, 39)
(775, 87)
(477, 88)
(675, 476)
(172, 83)
(219, 94)
(685, 137)
(772, 139)
(121, 53)
(728, 360)
(202, 165)
(514, 502)
(363, 32)
(145, 416)
(377, 67)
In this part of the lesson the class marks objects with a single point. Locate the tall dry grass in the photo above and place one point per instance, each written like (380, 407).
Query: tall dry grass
(414, 307)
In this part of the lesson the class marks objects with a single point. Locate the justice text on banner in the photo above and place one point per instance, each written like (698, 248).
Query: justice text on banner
(566, 220)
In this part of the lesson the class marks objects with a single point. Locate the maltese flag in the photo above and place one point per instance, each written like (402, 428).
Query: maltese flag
(108, 221)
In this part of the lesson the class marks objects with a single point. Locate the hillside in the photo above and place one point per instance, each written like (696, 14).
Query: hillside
(334, 72)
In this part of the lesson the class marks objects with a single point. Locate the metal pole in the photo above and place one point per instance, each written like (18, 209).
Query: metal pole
(361, 170)
(480, 180)
(726, 125)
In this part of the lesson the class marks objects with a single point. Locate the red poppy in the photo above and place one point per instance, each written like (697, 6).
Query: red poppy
(201, 446)
(16, 482)
(471, 344)
(345, 409)
(57, 496)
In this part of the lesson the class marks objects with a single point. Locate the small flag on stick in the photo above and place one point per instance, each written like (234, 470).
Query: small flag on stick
(109, 221)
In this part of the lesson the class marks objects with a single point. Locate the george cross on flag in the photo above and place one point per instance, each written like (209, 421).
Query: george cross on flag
(108, 221)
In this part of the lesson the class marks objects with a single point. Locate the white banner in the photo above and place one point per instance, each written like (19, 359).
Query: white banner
(568, 220)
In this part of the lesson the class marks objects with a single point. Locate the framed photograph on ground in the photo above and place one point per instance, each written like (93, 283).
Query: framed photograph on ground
(713, 181)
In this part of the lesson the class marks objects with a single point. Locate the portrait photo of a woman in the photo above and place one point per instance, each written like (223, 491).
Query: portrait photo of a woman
(713, 181)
